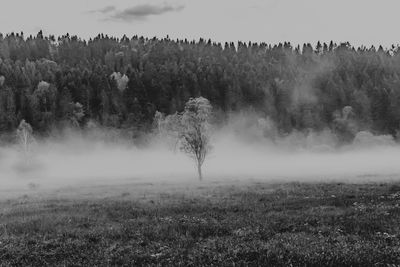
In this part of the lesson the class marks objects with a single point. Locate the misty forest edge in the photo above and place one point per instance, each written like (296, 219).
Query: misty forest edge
(122, 83)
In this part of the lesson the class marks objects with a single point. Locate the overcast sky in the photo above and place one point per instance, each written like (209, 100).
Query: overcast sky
(358, 21)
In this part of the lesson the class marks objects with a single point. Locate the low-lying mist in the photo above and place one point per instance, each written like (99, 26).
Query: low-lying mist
(239, 153)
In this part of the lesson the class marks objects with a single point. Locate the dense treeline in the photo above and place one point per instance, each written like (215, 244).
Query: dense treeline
(121, 83)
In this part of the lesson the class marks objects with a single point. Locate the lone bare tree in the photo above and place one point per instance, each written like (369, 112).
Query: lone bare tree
(25, 138)
(189, 130)
(195, 135)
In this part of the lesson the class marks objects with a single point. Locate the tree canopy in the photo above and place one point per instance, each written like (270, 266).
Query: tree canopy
(122, 82)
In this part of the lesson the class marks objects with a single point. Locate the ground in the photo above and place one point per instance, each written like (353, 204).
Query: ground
(203, 224)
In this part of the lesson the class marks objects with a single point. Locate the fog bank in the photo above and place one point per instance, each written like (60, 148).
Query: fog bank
(236, 155)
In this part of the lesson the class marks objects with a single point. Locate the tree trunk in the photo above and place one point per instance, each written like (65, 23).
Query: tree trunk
(199, 171)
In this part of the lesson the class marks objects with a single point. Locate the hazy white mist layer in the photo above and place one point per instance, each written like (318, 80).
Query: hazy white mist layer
(80, 160)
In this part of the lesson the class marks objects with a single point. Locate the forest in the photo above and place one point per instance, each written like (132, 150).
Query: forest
(120, 83)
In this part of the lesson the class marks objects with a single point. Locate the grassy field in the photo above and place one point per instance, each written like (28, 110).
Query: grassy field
(220, 224)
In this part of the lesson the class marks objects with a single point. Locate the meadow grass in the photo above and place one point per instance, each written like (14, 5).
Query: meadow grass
(221, 224)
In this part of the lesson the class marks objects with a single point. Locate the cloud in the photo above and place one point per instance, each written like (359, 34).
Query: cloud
(104, 10)
(107, 9)
(143, 11)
